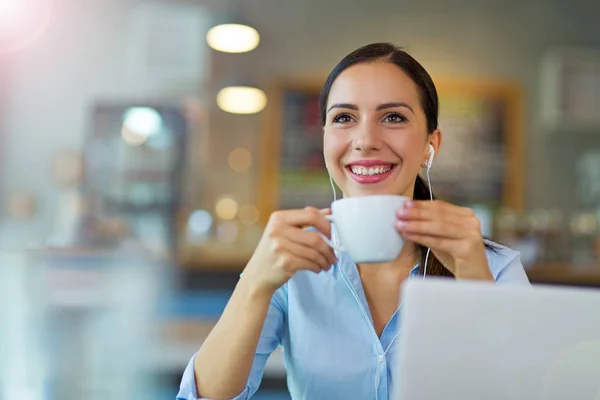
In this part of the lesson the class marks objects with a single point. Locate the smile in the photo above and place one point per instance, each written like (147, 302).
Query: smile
(382, 169)
(371, 173)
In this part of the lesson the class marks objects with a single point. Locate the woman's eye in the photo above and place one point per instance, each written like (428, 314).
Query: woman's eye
(342, 119)
(395, 118)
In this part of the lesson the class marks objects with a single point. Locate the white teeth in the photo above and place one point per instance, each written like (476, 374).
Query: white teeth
(370, 171)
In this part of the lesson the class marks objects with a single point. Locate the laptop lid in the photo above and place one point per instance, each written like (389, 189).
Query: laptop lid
(478, 340)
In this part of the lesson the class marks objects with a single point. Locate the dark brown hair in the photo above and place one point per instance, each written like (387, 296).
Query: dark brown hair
(429, 103)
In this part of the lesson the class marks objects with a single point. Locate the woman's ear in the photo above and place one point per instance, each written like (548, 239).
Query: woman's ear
(435, 139)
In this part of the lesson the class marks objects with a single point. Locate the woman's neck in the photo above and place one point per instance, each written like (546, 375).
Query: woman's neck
(403, 264)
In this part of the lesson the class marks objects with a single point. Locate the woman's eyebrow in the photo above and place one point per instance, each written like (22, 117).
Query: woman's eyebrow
(343, 105)
(393, 105)
(379, 107)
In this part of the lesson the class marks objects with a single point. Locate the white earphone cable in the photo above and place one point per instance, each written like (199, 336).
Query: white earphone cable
(334, 237)
(430, 198)
(332, 185)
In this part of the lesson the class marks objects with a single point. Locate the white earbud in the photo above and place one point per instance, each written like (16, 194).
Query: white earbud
(430, 156)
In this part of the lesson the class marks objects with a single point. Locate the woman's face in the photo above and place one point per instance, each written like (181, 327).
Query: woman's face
(375, 138)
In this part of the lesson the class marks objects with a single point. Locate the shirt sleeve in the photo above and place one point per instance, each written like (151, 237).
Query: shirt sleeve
(513, 272)
(270, 338)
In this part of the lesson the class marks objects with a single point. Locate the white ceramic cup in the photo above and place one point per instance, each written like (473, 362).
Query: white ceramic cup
(366, 228)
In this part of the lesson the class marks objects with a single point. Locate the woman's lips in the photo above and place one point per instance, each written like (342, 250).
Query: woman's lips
(371, 174)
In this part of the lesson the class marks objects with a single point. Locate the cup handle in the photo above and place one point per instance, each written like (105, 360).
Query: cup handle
(326, 239)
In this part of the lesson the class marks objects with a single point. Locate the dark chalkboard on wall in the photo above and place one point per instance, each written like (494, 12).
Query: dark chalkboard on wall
(481, 158)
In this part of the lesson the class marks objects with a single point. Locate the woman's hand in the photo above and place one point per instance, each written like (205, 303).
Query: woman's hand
(452, 233)
(285, 248)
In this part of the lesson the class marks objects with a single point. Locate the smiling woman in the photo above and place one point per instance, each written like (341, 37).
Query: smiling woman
(337, 320)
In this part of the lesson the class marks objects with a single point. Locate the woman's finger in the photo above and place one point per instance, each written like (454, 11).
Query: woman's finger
(305, 257)
(437, 207)
(443, 244)
(312, 240)
(308, 216)
(437, 228)
(455, 220)
(427, 215)
(468, 224)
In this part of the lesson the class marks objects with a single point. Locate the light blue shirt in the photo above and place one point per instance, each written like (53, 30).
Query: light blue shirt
(331, 350)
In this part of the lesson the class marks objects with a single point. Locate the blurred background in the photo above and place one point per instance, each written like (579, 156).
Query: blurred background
(145, 143)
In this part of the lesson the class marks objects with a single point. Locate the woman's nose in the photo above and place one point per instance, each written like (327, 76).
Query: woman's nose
(366, 138)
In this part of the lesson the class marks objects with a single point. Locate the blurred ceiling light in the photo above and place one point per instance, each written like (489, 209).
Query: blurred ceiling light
(200, 221)
(248, 214)
(226, 208)
(241, 99)
(233, 38)
(240, 159)
(139, 123)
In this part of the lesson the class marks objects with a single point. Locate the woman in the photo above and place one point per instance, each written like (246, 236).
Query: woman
(337, 321)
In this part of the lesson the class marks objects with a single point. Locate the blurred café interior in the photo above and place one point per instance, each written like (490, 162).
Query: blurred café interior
(145, 143)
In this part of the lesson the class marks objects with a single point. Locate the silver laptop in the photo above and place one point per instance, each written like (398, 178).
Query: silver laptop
(468, 340)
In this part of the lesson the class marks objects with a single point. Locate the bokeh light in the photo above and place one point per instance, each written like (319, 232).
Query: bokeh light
(226, 208)
(139, 123)
(248, 214)
(240, 160)
(200, 221)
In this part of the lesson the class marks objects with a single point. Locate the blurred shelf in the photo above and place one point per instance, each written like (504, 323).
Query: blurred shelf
(215, 257)
(565, 274)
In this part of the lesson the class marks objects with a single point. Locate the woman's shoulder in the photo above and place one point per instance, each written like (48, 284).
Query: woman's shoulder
(504, 262)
